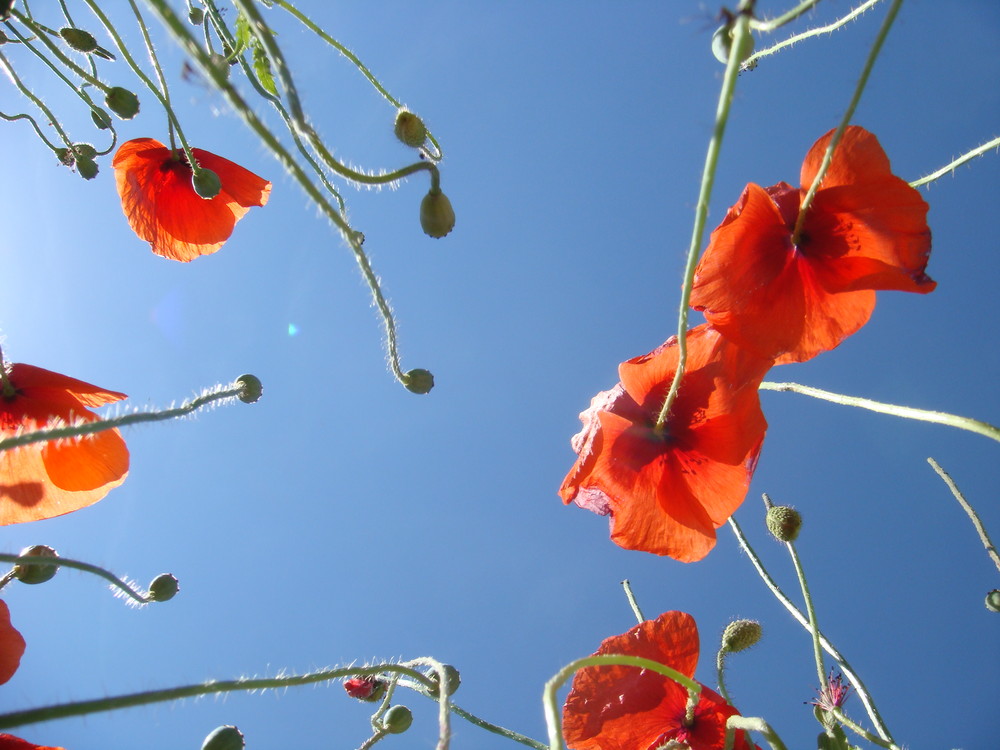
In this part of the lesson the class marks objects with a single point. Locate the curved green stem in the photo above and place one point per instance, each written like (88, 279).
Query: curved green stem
(859, 89)
(752, 724)
(121, 585)
(955, 164)
(861, 731)
(552, 719)
(751, 61)
(213, 396)
(740, 38)
(34, 124)
(36, 29)
(977, 522)
(495, 729)
(906, 412)
(9, 70)
(845, 666)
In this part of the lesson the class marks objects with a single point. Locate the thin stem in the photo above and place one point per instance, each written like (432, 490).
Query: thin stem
(632, 602)
(444, 715)
(984, 537)
(552, 719)
(811, 612)
(786, 17)
(308, 23)
(906, 412)
(34, 124)
(9, 70)
(751, 61)
(740, 38)
(720, 674)
(860, 730)
(952, 166)
(152, 53)
(63, 562)
(752, 724)
(507, 733)
(130, 700)
(859, 89)
(54, 49)
(845, 666)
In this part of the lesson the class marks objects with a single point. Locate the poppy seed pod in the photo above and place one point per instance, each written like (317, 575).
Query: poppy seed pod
(397, 719)
(78, 39)
(250, 388)
(993, 600)
(33, 573)
(740, 635)
(722, 44)
(224, 738)
(437, 217)
(122, 102)
(783, 522)
(418, 380)
(163, 588)
(206, 183)
(410, 129)
(452, 680)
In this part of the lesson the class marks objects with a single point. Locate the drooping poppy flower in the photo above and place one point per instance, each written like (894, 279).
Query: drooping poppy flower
(866, 230)
(43, 480)
(161, 204)
(668, 489)
(627, 708)
(10, 742)
(11, 645)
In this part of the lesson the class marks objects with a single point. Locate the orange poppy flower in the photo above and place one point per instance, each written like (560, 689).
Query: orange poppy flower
(668, 490)
(10, 742)
(866, 230)
(49, 479)
(162, 207)
(626, 708)
(11, 645)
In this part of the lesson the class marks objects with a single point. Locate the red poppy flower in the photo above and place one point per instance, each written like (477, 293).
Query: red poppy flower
(10, 742)
(162, 207)
(626, 708)
(866, 230)
(11, 645)
(667, 490)
(45, 480)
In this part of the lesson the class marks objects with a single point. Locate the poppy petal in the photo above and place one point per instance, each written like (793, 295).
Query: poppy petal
(11, 645)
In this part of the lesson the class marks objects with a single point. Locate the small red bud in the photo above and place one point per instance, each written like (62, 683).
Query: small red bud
(368, 688)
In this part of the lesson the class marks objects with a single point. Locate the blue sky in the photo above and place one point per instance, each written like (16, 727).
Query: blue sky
(343, 519)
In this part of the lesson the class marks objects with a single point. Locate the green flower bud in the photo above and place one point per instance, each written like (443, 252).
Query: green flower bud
(163, 588)
(740, 635)
(783, 522)
(33, 573)
(250, 388)
(224, 738)
(437, 217)
(993, 600)
(206, 183)
(87, 168)
(84, 150)
(122, 102)
(397, 719)
(722, 43)
(452, 680)
(196, 16)
(65, 157)
(410, 129)
(418, 381)
(101, 118)
(78, 39)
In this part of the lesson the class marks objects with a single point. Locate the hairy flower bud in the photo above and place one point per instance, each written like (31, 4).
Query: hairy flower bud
(397, 719)
(163, 588)
(224, 738)
(27, 572)
(78, 39)
(250, 388)
(418, 380)
(368, 688)
(740, 635)
(437, 217)
(783, 522)
(206, 183)
(410, 129)
(122, 102)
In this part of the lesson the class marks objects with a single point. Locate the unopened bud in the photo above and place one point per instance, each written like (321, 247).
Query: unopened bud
(410, 129)
(740, 635)
(28, 572)
(783, 522)
(196, 16)
(101, 118)
(224, 738)
(418, 380)
(250, 388)
(452, 680)
(437, 217)
(722, 44)
(993, 600)
(84, 150)
(78, 39)
(368, 688)
(122, 102)
(163, 588)
(86, 168)
(397, 719)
